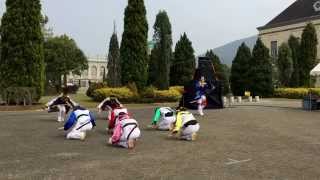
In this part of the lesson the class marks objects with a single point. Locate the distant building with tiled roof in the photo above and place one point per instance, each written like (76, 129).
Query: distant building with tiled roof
(291, 21)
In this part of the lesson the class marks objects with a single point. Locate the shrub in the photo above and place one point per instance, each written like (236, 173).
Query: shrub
(295, 93)
(19, 95)
(173, 94)
(148, 95)
(72, 89)
(123, 93)
(94, 86)
(148, 92)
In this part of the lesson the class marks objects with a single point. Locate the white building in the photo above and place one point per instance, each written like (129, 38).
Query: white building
(97, 68)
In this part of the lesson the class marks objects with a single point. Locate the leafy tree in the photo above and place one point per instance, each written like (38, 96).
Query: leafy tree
(294, 45)
(239, 70)
(221, 70)
(62, 56)
(114, 64)
(22, 59)
(162, 53)
(285, 64)
(308, 53)
(134, 50)
(260, 71)
(183, 64)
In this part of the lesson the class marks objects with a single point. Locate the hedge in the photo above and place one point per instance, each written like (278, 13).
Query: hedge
(148, 95)
(94, 86)
(19, 95)
(295, 93)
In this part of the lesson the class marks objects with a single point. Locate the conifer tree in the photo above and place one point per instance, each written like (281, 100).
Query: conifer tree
(183, 65)
(114, 64)
(162, 53)
(134, 50)
(239, 70)
(294, 45)
(22, 56)
(285, 65)
(308, 53)
(260, 71)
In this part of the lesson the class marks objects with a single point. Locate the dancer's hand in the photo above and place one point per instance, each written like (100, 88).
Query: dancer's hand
(110, 141)
(61, 128)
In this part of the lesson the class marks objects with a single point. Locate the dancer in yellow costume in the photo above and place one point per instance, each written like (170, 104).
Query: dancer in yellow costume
(186, 126)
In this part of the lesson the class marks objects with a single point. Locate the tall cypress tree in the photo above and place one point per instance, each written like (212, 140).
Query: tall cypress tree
(114, 64)
(239, 70)
(308, 56)
(285, 65)
(260, 72)
(220, 70)
(162, 53)
(22, 58)
(134, 50)
(294, 45)
(183, 64)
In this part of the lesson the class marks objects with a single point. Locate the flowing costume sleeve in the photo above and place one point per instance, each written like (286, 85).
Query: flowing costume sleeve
(117, 133)
(178, 123)
(92, 119)
(112, 120)
(156, 116)
(71, 120)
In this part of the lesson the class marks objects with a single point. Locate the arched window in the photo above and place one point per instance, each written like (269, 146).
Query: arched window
(94, 71)
(85, 73)
(102, 71)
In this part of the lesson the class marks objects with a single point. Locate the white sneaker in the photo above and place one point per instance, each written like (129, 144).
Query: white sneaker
(83, 136)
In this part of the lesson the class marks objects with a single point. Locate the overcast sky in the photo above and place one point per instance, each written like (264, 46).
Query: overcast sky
(208, 23)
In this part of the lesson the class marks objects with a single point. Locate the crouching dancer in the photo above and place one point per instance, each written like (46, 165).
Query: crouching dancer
(80, 121)
(186, 126)
(63, 103)
(126, 132)
(114, 108)
(163, 118)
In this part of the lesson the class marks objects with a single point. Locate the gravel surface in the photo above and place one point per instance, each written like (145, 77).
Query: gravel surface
(271, 140)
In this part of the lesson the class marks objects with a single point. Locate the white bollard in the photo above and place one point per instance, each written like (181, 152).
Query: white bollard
(250, 98)
(224, 101)
(257, 99)
(239, 99)
(231, 99)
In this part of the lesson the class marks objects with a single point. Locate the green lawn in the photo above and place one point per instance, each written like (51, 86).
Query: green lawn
(87, 102)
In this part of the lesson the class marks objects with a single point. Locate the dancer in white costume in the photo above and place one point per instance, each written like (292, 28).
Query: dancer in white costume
(126, 132)
(114, 108)
(80, 121)
(63, 103)
(163, 118)
(186, 126)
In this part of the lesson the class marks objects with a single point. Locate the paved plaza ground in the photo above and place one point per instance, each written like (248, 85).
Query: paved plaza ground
(270, 140)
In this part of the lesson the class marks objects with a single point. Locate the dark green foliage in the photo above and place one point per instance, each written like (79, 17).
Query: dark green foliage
(94, 86)
(285, 65)
(162, 53)
(19, 95)
(221, 70)
(22, 60)
(114, 64)
(134, 50)
(153, 68)
(183, 64)
(308, 54)
(63, 56)
(294, 45)
(239, 71)
(260, 71)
